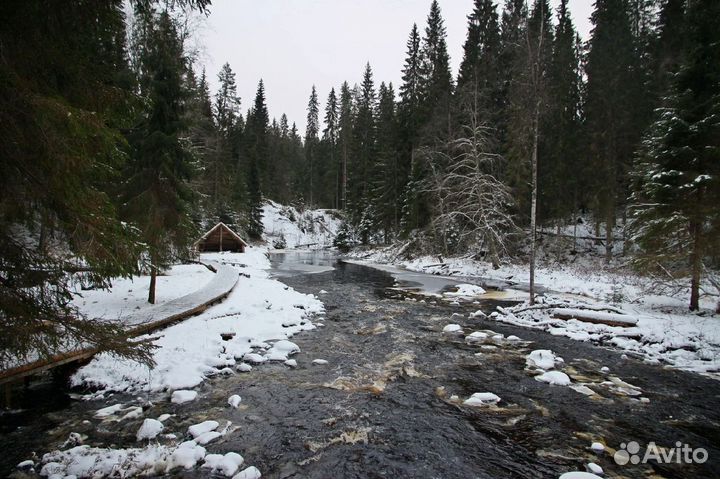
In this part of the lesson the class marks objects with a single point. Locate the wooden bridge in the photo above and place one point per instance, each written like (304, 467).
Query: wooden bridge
(142, 322)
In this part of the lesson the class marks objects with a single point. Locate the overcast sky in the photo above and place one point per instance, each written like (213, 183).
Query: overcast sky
(293, 44)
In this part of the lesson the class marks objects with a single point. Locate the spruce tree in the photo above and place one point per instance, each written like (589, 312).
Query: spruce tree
(158, 195)
(563, 174)
(330, 139)
(676, 220)
(478, 81)
(345, 139)
(386, 182)
(66, 93)
(311, 142)
(611, 91)
(436, 78)
(364, 155)
(409, 122)
(256, 152)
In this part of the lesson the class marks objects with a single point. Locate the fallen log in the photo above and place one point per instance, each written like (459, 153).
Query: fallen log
(597, 317)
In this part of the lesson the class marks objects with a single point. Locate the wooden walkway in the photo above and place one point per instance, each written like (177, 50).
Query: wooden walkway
(143, 322)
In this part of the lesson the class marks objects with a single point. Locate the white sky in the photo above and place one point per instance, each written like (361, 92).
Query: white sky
(293, 44)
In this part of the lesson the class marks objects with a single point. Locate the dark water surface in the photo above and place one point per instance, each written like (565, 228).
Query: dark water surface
(383, 406)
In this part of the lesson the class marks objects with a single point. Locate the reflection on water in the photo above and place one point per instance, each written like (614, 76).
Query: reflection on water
(287, 263)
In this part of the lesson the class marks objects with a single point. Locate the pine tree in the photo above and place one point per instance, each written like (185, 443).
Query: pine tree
(311, 141)
(611, 89)
(676, 218)
(158, 195)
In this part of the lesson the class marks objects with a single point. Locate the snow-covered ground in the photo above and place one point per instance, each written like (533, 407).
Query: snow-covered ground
(309, 228)
(251, 326)
(258, 311)
(129, 295)
(665, 331)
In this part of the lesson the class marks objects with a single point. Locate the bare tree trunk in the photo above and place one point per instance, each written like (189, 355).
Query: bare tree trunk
(153, 282)
(609, 225)
(533, 204)
(696, 265)
(344, 176)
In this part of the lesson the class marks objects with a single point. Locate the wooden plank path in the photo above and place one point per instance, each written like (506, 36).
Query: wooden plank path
(143, 322)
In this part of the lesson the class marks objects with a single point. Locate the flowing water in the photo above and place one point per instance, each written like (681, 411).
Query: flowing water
(388, 403)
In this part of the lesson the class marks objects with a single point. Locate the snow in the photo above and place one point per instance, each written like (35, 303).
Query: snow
(477, 336)
(182, 396)
(150, 429)
(659, 326)
(541, 358)
(310, 228)
(128, 296)
(200, 429)
(90, 462)
(481, 399)
(291, 363)
(234, 401)
(193, 350)
(556, 378)
(579, 475)
(599, 316)
(466, 291)
(281, 350)
(227, 464)
(319, 362)
(597, 446)
(251, 472)
(244, 367)
(452, 328)
(207, 437)
(595, 469)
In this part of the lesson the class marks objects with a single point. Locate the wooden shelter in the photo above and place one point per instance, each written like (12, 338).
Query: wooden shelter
(220, 238)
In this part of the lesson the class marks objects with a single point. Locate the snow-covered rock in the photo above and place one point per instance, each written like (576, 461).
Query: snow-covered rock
(579, 475)
(597, 446)
(319, 362)
(182, 396)
(205, 426)
(281, 350)
(234, 401)
(556, 378)
(595, 469)
(251, 472)
(541, 358)
(452, 328)
(476, 337)
(227, 464)
(482, 399)
(466, 291)
(150, 429)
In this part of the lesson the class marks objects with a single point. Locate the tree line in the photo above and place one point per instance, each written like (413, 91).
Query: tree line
(114, 153)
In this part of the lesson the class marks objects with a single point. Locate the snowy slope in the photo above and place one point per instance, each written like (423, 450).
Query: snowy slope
(308, 229)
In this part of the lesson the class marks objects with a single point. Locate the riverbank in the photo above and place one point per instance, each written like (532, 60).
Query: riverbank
(665, 331)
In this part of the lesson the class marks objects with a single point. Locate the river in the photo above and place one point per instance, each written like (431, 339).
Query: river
(388, 403)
